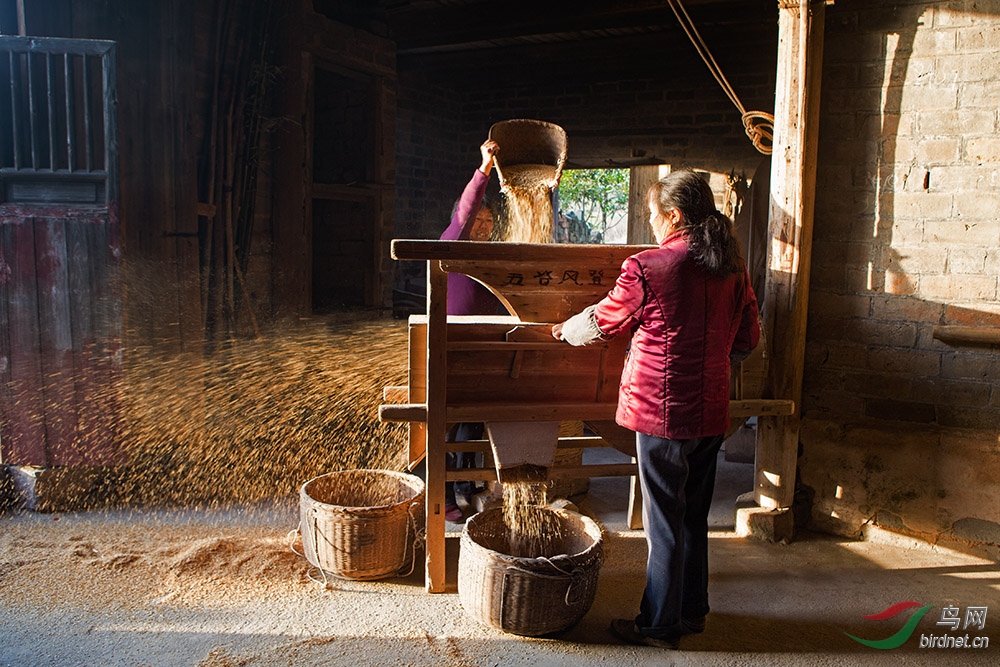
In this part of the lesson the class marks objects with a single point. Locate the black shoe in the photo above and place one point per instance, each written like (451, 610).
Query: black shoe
(693, 626)
(626, 630)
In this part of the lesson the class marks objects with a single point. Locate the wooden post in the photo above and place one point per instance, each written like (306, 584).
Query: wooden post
(436, 426)
(640, 180)
(793, 182)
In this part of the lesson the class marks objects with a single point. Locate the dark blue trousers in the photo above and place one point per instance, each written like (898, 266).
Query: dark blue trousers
(460, 433)
(677, 479)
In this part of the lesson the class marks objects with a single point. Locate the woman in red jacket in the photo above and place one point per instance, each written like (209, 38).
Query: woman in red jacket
(692, 312)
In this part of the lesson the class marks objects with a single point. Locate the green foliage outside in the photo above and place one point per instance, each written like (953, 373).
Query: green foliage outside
(594, 206)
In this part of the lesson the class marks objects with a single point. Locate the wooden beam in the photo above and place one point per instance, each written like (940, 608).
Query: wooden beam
(793, 184)
(764, 407)
(436, 424)
(967, 335)
(484, 251)
(503, 412)
(554, 473)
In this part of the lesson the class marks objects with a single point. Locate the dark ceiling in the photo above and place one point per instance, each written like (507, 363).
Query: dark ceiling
(420, 27)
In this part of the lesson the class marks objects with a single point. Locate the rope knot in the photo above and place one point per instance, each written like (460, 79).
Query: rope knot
(759, 126)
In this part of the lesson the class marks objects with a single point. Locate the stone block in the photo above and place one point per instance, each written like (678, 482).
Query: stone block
(758, 523)
(60, 488)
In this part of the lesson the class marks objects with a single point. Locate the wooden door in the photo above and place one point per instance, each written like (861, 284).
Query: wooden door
(346, 194)
(60, 254)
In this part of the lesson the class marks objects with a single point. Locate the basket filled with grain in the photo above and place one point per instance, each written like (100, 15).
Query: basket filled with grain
(529, 582)
(530, 151)
(361, 524)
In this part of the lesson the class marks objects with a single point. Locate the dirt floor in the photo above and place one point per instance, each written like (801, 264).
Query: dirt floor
(221, 587)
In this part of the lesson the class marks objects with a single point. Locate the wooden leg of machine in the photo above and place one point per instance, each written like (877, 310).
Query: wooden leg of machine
(436, 426)
(435, 529)
(634, 503)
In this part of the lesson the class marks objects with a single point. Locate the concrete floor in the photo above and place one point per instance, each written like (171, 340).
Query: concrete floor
(772, 604)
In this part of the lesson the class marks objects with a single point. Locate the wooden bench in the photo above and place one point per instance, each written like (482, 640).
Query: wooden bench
(504, 370)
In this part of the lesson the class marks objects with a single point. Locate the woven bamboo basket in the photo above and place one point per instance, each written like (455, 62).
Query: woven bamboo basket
(524, 141)
(529, 596)
(361, 524)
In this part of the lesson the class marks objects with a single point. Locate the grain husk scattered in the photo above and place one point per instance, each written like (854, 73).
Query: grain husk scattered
(259, 417)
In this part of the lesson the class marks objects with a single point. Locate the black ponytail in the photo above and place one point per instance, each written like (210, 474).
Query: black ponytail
(711, 235)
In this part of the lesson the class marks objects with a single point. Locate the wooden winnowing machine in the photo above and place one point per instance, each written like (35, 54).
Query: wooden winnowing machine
(509, 373)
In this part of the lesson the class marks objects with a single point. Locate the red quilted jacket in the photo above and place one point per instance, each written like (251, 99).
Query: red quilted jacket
(687, 322)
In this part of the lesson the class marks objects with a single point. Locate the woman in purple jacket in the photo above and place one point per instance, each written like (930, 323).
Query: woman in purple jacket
(471, 220)
(692, 312)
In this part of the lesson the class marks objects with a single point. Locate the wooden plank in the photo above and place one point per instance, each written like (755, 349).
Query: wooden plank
(554, 473)
(972, 335)
(592, 412)
(592, 470)
(87, 390)
(56, 342)
(537, 412)
(436, 424)
(6, 387)
(417, 389)
(635, 503)
(793, 184)
(764, 407)
(574, 442)
(24, 442)
(94, 47)
(404, 412)
(521, 253)
(107, 348)
(483, 365)
(641, 179)
(504, 346)
(547, 290)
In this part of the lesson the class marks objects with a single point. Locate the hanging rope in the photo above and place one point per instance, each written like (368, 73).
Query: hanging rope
(759, 125)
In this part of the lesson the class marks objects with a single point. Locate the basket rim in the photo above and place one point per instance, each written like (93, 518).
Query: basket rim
(532, 125)
(591, 526)
(417, 486)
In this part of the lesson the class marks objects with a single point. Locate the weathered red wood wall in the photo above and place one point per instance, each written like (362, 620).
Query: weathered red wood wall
(60, 335)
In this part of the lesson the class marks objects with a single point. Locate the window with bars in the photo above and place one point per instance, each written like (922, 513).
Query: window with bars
(58, 133)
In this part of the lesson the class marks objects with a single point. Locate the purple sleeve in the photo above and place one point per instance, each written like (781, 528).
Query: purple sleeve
(468, 206)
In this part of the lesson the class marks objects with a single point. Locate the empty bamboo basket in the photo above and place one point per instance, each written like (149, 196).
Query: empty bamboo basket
(529, 596)
(361, 524)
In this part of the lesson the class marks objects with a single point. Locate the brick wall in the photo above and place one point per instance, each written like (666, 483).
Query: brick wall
(906, 237)
(621, 103)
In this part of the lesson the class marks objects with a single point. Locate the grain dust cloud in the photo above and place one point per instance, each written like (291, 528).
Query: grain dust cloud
(259, 418)
(254, 420)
